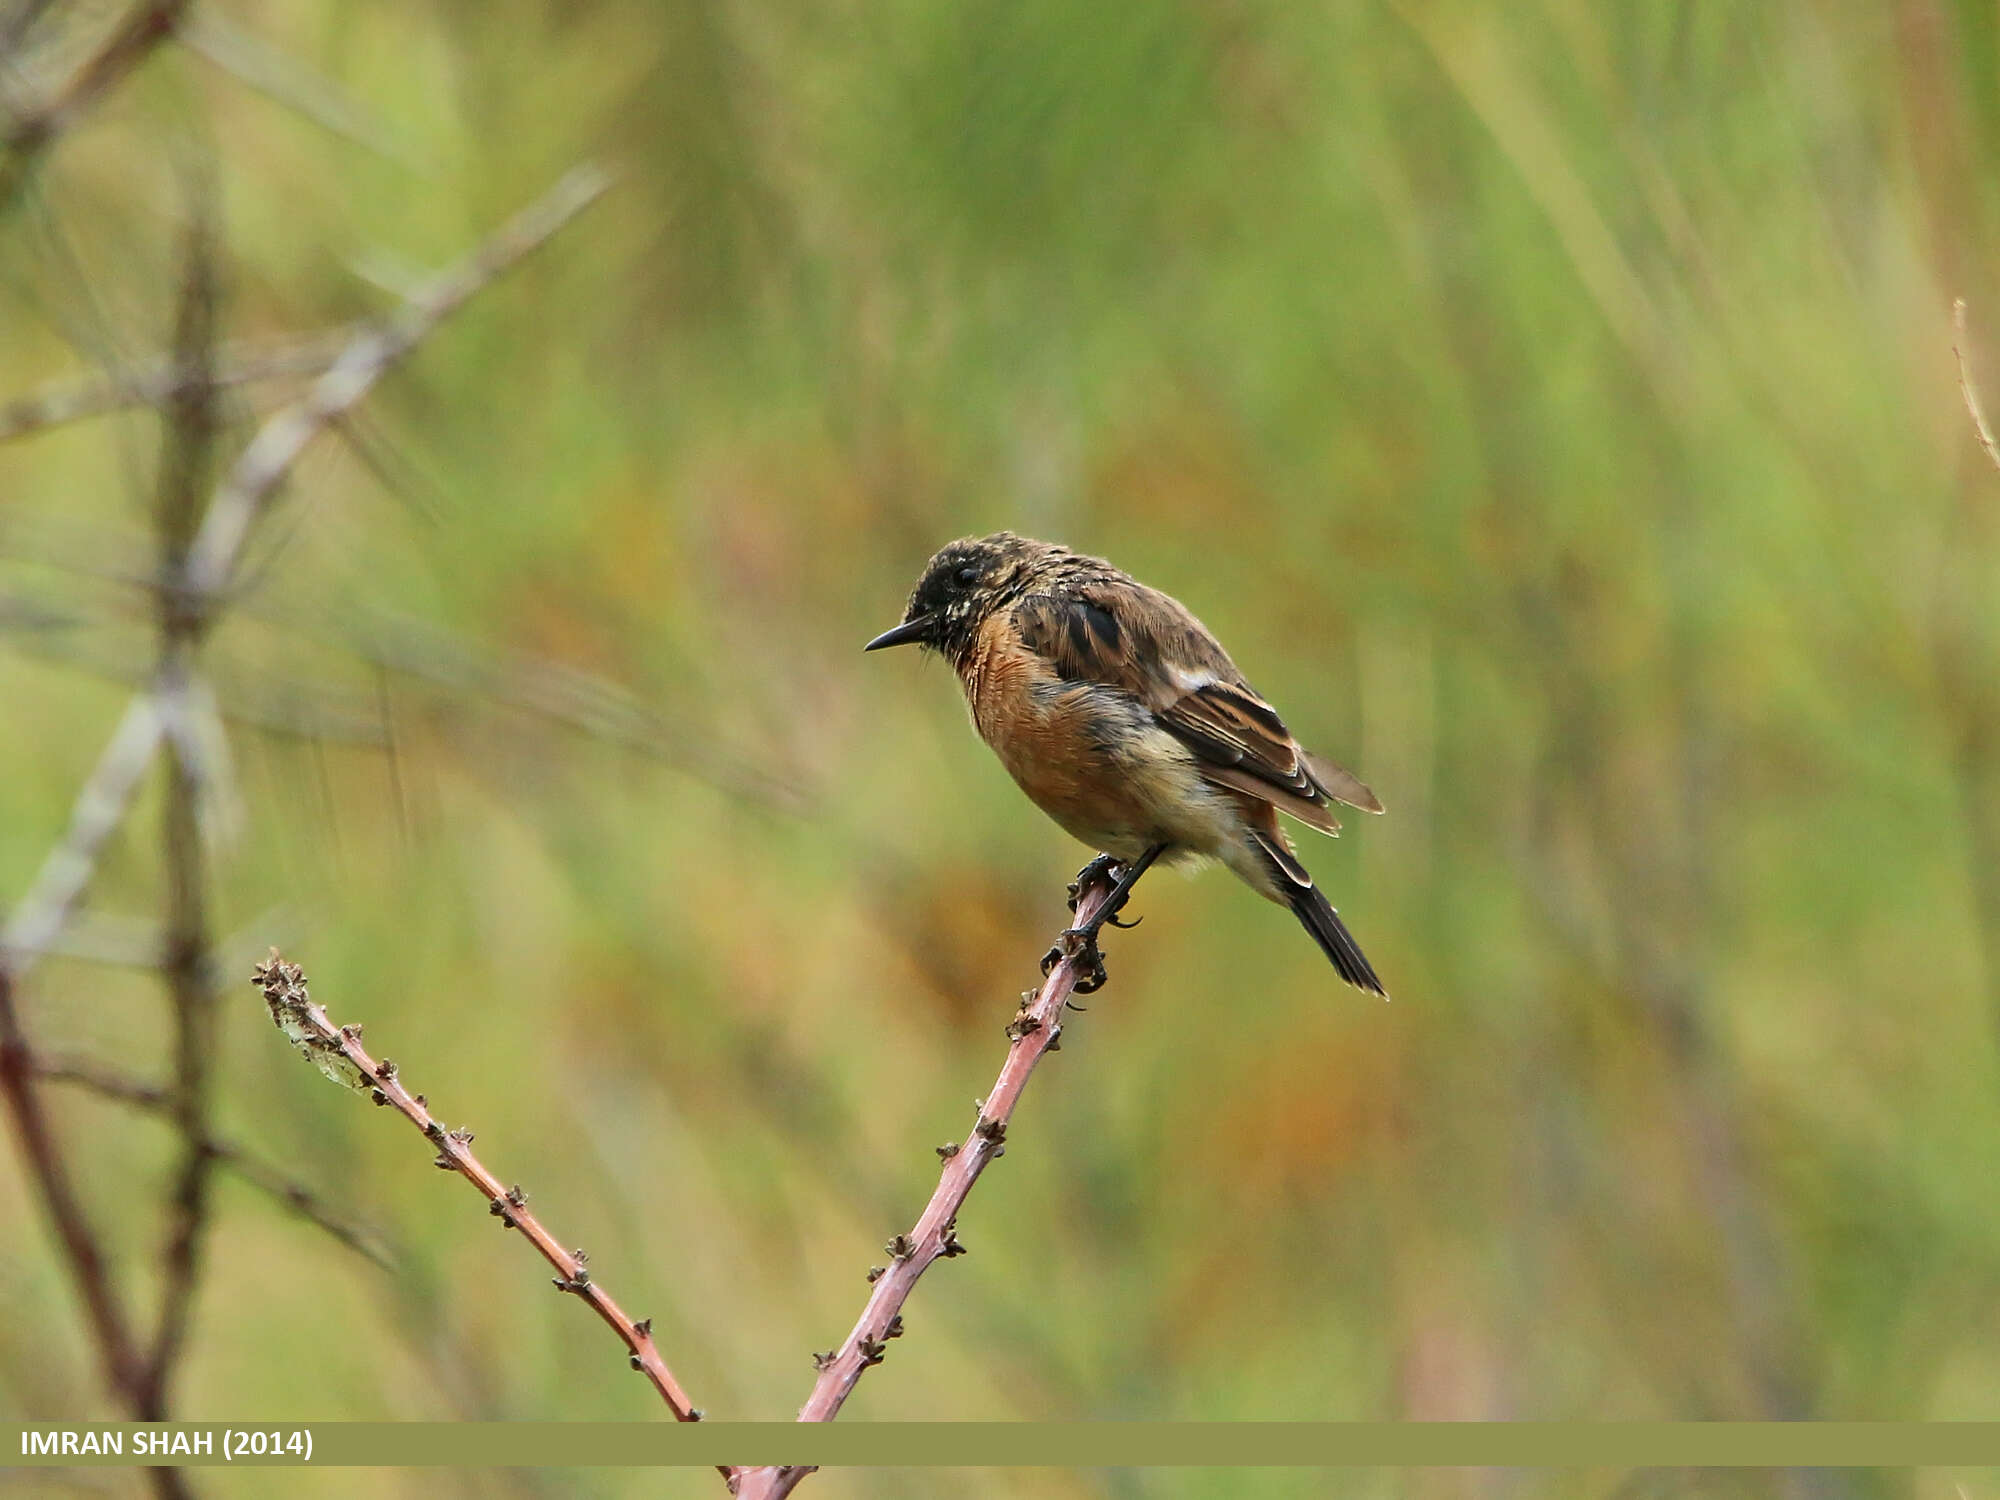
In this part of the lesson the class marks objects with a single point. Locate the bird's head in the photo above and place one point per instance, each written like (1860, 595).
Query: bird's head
(963, 584)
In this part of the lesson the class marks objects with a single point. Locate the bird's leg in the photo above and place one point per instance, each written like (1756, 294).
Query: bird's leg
(1120, 890)
(1098, 869)
(1080, 942)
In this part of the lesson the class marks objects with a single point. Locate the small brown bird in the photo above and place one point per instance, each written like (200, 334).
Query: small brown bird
(1126, 722)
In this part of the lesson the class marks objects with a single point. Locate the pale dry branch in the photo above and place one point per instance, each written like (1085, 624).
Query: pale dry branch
(129, 42)
(100, 807)
(18, 23)
(280, 442)
(1035, 1031)
(116, 942)
(337, 1052)
(226, 527)
(162, 380)
(1967, 387)
(287, 708)
(284, 80)
(199, 548)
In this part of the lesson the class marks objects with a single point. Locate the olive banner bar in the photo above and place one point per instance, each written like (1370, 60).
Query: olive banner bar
(1617, 1445)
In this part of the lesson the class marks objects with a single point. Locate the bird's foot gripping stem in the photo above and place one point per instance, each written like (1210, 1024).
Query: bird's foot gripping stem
(1100, 868)
(1080, 942)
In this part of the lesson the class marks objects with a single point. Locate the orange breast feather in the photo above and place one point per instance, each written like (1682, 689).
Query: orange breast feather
(1050, 736)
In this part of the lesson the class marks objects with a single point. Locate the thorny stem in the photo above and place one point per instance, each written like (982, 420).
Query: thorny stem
(1034, 1032)
(338, 1048)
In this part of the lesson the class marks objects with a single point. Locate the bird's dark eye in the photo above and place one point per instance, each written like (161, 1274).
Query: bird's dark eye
(967, 576)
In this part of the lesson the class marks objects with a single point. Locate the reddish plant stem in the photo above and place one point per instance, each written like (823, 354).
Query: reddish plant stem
(123, 1367)
(1036, 1030)
(111, 1327)
(295, 1012)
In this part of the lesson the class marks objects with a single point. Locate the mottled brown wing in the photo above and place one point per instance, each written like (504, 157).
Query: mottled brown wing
(1084, 639)
(1249, 749)
(1145, 643)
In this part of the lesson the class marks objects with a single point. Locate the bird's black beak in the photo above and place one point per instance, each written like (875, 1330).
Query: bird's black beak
(918, 629)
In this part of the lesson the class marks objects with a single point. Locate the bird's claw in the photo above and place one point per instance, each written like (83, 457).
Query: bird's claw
(1080, 944)
(1099, 868)
(1105, 867)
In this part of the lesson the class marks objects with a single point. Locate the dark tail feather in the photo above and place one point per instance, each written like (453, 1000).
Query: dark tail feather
(1317, 916)
(1315, 913)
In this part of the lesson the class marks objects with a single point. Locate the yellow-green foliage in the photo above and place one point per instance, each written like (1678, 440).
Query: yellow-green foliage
(1552, 406)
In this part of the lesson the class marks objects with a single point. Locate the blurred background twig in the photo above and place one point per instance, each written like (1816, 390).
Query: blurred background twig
(1552, 406)
(267, 1179)
(1969, 387)
(198, 540)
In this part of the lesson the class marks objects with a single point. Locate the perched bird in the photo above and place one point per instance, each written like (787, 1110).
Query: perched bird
(1126, 722)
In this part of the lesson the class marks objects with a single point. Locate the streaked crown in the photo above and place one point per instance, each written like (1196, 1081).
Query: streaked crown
(963, 583)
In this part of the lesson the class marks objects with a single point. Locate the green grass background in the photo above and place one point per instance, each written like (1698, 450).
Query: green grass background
(1553, 408)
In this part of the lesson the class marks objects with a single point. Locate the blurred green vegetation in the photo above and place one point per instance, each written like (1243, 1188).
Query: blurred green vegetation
(1551, 406)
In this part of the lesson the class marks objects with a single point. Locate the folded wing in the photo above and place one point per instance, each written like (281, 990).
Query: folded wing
(1134, 638)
